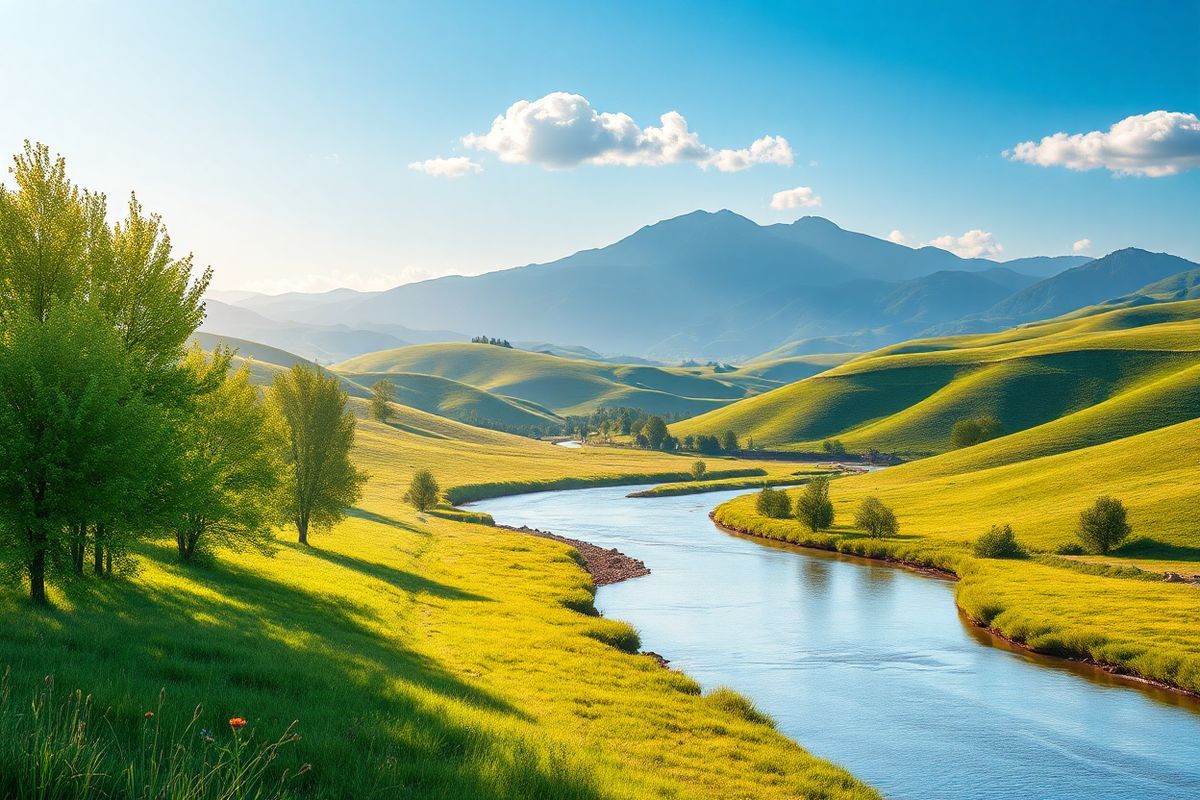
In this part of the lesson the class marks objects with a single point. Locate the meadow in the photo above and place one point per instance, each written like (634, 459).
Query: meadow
(416, 656)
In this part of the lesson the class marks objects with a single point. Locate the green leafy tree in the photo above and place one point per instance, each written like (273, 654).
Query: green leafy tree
(698, 469)
(423, 491)
(773, 503)
(834, 447)
(689, 442)
(383, 394)
(655, 431)
(729, 442)
(322, 480)
(814, 509)
(230, 466)
(708, 445)
(1104, 525)
(78, 443)
(968, 432)
(876, 518)
(999, 542)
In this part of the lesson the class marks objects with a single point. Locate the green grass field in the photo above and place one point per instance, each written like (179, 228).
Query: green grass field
(563, 385)
(1136, 362)
(419, 657)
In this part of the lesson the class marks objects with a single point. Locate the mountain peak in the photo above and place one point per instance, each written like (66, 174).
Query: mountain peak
(813, 221)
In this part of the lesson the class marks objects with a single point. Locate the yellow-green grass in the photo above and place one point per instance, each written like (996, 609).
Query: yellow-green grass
(791, 368)
(422, 657)
(907, 397)
(265, 362)
(1054, 605)
(786, 476)
(450, 398)
(563, 385)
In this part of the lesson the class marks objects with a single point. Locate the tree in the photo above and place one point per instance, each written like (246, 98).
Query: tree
(833, 447)
(322, 481)
(968, 432)
(999, 542)
(640, 440)
(689, 442)
(655, 430)
(78, 444)
(708, 445)
(876, 518)
(1104, 525)
(423, 491)
(814, 509)
(773, 503)
(383, 394)
(698, 469)
(729, 442)
(230, 467)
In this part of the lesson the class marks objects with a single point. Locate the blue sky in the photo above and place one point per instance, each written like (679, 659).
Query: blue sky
(276, 139)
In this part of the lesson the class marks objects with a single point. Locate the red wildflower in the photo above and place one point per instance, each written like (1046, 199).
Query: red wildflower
(237, 723)
(149, 714)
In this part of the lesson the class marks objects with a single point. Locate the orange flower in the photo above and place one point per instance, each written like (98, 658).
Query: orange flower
(237, 723)
(149, 714)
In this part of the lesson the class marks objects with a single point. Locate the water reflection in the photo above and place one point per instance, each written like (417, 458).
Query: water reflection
(871, 665)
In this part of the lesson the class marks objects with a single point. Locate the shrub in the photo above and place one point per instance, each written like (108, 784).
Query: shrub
(1103, 526)
(833, 447)
(813, 507)
(423, 491)
(698, 469)
(1070, 549)
(999, 542)
(874, 517)
(729, 442)
(773, 503)
(967, 432)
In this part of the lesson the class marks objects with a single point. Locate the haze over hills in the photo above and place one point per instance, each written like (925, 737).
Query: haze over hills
(702, 285)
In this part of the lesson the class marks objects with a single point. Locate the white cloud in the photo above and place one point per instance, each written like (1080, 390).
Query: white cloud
(972, 244)
(1153, 145)
(800, 197)
(1082, 245)
(563, 130)
(454, 167)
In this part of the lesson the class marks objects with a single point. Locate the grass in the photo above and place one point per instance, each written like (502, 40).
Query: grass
(905, 398)
(778, 477)
(415, 656)
(564, 385)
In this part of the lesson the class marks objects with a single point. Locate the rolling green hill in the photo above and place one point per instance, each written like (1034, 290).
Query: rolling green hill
(1137, 362)
(459, 401)
(563, 385)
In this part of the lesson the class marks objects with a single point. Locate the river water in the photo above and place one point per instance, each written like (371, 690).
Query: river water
(871, 666)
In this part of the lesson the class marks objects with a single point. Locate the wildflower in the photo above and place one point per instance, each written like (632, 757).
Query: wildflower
(237, 723)
(149, 714)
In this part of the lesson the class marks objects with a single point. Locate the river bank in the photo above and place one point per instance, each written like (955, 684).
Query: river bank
(605, 565)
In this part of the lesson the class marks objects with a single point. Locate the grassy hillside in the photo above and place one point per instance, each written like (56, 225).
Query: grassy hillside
(1091, 607)
(1135, 362)
(450, 398)
(565, 386)
(420, 657)
(266, 361)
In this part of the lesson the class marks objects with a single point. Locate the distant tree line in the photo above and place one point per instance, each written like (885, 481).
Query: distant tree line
(113, 431)
(491, 340)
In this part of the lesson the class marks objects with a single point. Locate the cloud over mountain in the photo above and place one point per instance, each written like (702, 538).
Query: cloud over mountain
(563, 130)
(800, 197)
(1152, 145)
(974, 243)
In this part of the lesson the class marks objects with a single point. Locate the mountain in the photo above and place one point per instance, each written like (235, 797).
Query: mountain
(1114, 275)
(1137, 367)
(702, 285)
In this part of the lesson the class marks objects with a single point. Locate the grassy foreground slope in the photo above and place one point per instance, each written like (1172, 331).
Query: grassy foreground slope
(1085, 607)
(907, 397)
(422, 657)
(563, 385)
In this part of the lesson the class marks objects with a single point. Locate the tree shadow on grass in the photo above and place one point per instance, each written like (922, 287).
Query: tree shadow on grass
(246, 645)
(1153, 550)
(398, 578)
(383, 519)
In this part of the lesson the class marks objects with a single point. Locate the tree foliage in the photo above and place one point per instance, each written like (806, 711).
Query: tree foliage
(383, 394)
(814, 509)
(999, 542)
(773, 503)
(1104, 525)
(876, 518)
(698, 469)
(423, 491)
(322, 480)
(729, 442)
(655, 431)
(968, 432)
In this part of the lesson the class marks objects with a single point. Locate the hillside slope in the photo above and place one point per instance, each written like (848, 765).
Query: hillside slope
(562, 385)
(907, 397)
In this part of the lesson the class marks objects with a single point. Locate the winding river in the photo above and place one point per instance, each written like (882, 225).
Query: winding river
(871, 666)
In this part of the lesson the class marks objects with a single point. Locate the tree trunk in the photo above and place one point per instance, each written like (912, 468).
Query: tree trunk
(302, 527)
(98, 559)
(37, 577)
(108, 563)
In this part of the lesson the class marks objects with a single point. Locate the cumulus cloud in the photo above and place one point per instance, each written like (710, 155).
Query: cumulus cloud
(972, 244)
(800, 197)
(563, 130)
(1082, 245)
(1152, 145)
(454, 167)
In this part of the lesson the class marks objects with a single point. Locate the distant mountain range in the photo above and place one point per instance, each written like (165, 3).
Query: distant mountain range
(707, 285)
